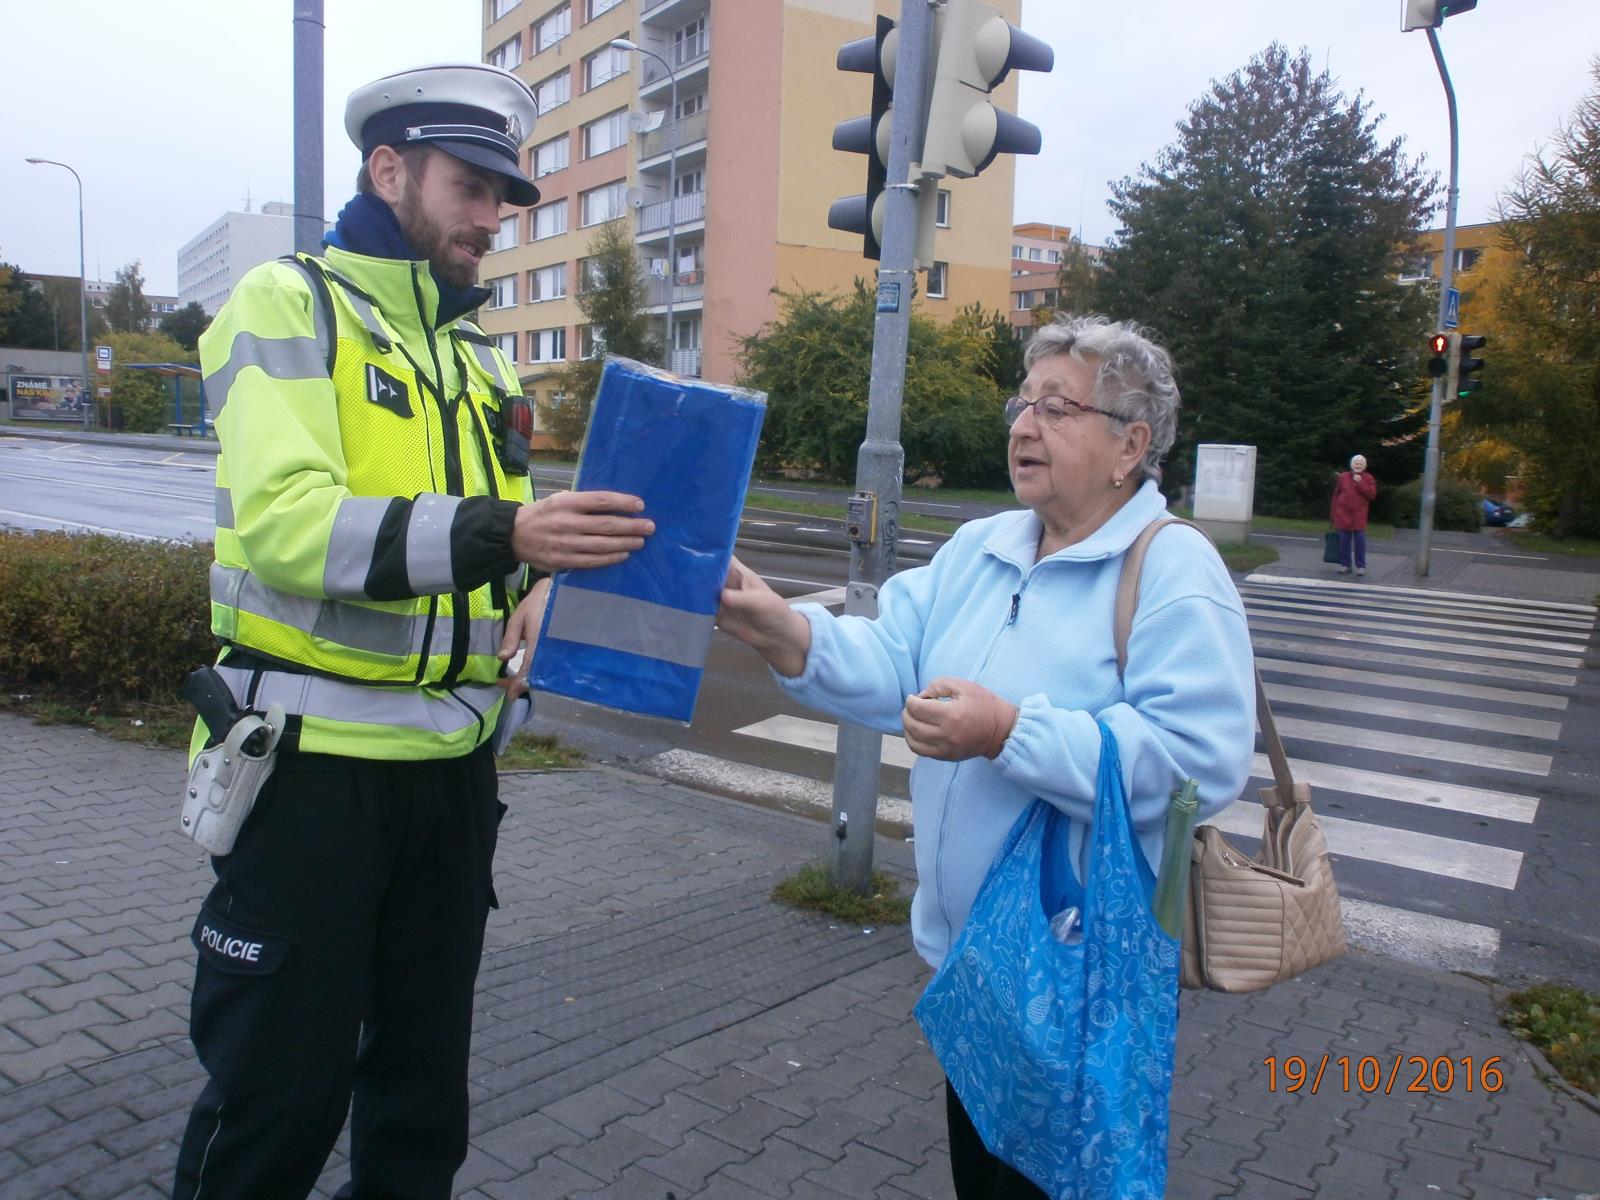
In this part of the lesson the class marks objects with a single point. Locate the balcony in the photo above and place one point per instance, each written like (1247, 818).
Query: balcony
(685, 363)
(680, 54)
(685, 210)
(691, 129)
(689, 288)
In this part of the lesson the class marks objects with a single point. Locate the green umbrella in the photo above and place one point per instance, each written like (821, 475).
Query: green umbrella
(1172, 882)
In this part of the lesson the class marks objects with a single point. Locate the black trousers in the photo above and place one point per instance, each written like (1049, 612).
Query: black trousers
(338, 953)
(979, 1175)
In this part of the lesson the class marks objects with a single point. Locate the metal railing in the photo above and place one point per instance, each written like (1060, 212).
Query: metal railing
(657, 216)
(680, 54)
(691, 129)
(690, 285)
(685, 362)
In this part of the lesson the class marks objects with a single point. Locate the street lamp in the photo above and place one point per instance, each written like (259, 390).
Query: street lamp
(672, 182)
(83, 287)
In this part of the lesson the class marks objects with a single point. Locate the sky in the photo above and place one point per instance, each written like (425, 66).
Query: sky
(174, 111)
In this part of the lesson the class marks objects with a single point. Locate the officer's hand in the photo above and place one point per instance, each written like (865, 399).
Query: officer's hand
(522, 631)
(579, 529)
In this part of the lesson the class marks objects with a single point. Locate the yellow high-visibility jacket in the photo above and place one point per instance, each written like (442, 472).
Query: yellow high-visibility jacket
(364, 505)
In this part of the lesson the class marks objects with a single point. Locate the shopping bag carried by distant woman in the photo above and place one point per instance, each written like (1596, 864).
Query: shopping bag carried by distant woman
(1060, 1043)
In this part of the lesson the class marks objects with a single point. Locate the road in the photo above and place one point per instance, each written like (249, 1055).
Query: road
(1444, 734)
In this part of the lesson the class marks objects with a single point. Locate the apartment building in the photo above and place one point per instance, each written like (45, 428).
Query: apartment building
(717, 146)
(215, 259)
(1037, 251)
(1428, 261)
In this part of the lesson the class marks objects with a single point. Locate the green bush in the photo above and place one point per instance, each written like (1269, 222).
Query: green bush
(1457, 506)
(96, 619)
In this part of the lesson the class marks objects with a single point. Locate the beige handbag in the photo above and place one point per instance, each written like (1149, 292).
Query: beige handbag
(1250, 922)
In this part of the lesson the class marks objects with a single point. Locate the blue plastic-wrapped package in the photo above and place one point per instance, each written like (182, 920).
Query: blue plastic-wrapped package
(635, 636)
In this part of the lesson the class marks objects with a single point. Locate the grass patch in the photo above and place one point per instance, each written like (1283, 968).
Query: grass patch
(539, 752)
(1564, 1022)
(1245, 557)
(1375, 531)
(813, 888)
(148, 724)
(1528, 540)
(814, 508)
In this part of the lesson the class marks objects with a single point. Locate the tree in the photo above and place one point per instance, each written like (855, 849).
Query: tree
(1006, 346)
(25, 317)
(814, 361)
(612, 298)
(144, 398)
(1542, 385)
(1263, 248)
(185, 326)
(127, 311)
(1077, 280)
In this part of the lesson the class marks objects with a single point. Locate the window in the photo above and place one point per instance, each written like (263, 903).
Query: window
(690, 182)
(499, 8)
(549, 220)
(590, 343)
(689, 105)
(941, 209)
(507, 54)
(507, 237)
(504, 289)
(603, 65)
(1467, 259)
(596, 7)
(589, 275)
(1052, 256)
(551, 156)
(547, 283)
(1050, 297)
(938, 277)
(1417, 266)
(547, 345)
(507, 342)
(607, 133)
(1035, 254)
(554, 91)
(1024, 301)
(689, 43)
(1016, 251)
(550, 29)
(604, 203)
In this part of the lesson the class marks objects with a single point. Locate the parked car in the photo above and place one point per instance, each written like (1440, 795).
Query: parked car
(1496, 512)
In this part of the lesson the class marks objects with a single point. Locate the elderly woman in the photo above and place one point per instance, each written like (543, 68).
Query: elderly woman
(997, 659)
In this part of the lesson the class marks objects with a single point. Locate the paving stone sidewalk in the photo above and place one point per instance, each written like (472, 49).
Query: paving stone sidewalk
(650, 1025)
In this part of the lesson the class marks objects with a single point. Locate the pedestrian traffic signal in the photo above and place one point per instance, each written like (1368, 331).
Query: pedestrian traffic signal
(1430, 14)
(1466, 365)
(976, 49)
(1439, 345)
(868, 135)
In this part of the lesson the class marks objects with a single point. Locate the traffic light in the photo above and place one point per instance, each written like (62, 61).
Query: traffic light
(1430, 14)
(867, 135)
(1465, 365)
(976, 49)
(1439, 346)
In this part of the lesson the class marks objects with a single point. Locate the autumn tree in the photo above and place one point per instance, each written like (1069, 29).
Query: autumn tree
(1263, 248)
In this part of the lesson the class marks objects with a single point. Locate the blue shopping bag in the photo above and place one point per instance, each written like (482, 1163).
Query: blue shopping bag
(1062, 1053)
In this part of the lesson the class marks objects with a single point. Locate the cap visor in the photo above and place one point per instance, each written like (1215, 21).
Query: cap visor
(520, 190)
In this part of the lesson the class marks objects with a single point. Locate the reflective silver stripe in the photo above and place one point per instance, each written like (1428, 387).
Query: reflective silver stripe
(630, 625)
(224, 508)
(351, 544)
(281, 358)
(335, 700)
(350, 625)
(428, 566)
(318, 311)
(369, 318)
(490, 364)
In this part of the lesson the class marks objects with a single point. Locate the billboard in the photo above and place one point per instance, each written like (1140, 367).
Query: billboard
(36, 397)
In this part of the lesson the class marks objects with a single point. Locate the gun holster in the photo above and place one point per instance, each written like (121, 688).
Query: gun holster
(226, 778)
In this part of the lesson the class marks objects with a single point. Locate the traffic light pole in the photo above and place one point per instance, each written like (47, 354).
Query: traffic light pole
(881, 461)
(1430, 468)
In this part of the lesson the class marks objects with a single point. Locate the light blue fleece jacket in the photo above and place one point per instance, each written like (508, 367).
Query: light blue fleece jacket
(1039, 633)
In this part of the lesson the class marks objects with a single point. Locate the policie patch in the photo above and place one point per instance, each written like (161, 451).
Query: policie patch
(235, 950)
(384, 390)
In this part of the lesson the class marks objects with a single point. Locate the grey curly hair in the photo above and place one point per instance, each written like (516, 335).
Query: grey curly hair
(1133, 377)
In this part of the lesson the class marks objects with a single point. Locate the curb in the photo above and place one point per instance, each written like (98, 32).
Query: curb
(135, 441)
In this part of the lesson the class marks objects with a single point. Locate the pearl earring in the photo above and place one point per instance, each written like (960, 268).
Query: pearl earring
(1117, 482)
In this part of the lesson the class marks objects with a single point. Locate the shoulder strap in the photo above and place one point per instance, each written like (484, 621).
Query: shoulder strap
(324, 318)
(1127, 605)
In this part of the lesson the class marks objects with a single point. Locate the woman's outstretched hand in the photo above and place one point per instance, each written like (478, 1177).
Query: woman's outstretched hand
(953, 719)
(761, 619)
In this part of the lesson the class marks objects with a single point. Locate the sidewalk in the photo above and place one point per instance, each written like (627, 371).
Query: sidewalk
(650, 1025)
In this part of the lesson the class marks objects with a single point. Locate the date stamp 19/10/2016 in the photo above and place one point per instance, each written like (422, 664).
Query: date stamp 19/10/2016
(1411, 1073)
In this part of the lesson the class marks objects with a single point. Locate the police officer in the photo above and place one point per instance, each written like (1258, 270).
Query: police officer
(377, 542)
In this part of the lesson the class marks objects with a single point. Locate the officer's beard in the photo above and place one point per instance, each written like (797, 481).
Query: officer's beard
(428, 240)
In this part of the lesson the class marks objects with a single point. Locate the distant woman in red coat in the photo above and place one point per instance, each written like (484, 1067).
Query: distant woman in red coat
(1352, 496)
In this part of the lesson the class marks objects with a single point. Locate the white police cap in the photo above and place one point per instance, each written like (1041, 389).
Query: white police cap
(472, 111)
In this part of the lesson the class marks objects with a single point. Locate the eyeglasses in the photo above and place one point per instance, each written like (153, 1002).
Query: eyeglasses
(1052, 411)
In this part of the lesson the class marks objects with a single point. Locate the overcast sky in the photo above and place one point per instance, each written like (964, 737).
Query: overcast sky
(174, 110)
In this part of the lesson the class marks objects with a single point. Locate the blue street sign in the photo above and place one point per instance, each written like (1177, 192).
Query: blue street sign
(1452, 308)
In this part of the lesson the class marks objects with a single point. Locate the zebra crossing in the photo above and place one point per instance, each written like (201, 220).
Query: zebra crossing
(1426, 723)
